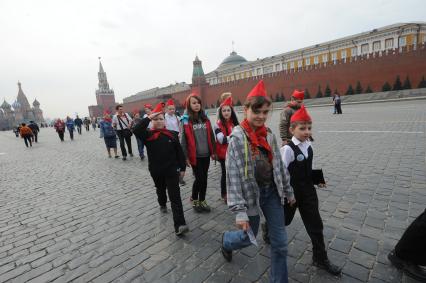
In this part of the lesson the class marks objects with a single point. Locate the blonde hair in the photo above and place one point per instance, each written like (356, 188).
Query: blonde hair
(224, 96)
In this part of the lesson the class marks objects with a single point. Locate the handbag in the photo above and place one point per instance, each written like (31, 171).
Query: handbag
(126, 132)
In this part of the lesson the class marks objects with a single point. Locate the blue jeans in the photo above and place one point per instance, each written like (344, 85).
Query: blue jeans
(270, 203)
(140, 147)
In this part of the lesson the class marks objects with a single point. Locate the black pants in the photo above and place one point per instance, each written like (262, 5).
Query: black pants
(171, 184)
(71, 134)
(79, 130)
(307, 202)
(223, 179)
(128, 140)
(412, 245)
(200, 171)
(27, 139)
(35, 136)
(61, 135)
(339, 107)
(87, 128)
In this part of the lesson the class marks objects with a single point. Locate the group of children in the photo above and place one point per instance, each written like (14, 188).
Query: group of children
(258, 178)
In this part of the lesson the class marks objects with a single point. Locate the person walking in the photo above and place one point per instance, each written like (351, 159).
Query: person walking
(94, 122)
(166, 162)
(223, 129)
(60, 128)
(78, 123)
(26, 134)
(70, 127)
(139, 141)
(122, 123)
(35, 129)
(86, 123)
(108, 133)
(257, 184)
(296, 101)
(198, 144)
(337, 104)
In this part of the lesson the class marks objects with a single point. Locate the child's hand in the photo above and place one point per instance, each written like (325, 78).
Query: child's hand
(291, 201)
(243, 225)
(323, 185)
(182, 174)
(188, 163)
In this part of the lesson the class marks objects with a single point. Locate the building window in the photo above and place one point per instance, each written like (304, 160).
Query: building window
(316, 60)
(365, 49)
(334, 56)
(308, 61)
(277, 67)
(284, 66)
(354, 51)
(376, 46)
(324, 58)
(402, 41)
(259, 71)
(389, 43)
(343, 54)
(299, 64)
(292, 65)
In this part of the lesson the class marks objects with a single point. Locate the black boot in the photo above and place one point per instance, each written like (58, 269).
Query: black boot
(408, 268)
(327, 266)
(226, 254)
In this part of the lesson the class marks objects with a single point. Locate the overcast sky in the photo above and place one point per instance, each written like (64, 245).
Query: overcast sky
(52, 47)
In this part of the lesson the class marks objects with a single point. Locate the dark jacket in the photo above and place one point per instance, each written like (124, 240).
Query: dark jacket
(165, 154)
(78, 122)
(34, 127)
(285, 117)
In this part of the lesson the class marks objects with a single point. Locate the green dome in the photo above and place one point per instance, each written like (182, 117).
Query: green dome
(233, 59)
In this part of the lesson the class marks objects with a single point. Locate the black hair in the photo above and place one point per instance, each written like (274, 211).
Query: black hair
(118, 106)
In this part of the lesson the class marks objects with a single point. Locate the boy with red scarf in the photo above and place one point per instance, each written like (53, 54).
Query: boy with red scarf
(198, 145)
(166, 162)
(227, 120)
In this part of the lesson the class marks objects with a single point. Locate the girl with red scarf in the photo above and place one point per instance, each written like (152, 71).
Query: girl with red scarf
(198, 145)
(108, 133)
(166, 162)
(257, 183)
(223, 129)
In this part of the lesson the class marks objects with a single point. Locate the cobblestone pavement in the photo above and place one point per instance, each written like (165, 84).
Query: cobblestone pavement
(68, 213)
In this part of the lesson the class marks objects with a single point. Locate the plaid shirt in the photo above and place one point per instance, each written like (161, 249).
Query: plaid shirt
(240, 181)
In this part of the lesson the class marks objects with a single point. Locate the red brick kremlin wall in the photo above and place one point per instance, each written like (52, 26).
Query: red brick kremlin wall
(370, 70)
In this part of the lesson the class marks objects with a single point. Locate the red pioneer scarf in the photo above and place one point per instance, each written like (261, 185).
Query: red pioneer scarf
(257, 138)
(156, 133)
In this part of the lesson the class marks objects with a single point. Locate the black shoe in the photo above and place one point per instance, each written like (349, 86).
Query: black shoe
(265, 234)
(327, 266)
(142, 157)
(131, 154)
(226, 254)
(163, 209)
(412, 270)
(116, 156)
(181, 230)
(124, 158)
(196, 206)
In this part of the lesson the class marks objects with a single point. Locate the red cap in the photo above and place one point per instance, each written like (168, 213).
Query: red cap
(170, 102)
(227, 102)
(258, 90)
(301, 115)
(148, 106)
(159, 108)
(107, 112)
(298, 94)
(135, 111)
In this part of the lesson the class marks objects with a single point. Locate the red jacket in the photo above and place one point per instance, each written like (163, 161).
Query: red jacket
(188, 131)
(221, 148)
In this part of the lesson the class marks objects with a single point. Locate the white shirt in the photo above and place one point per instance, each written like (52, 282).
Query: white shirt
(172, 122)
(287, 153)
(123, 123)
